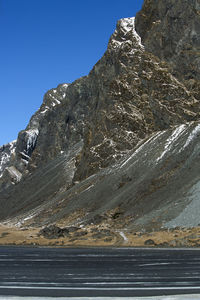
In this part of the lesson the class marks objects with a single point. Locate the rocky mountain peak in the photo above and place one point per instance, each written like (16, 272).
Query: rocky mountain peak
(125, 33)
(128, 95)
(170, 29)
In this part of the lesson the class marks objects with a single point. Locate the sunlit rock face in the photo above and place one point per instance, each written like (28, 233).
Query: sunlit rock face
(154, 186)
(171, 30)
(82, 129)
(6, 151)
(128, 95)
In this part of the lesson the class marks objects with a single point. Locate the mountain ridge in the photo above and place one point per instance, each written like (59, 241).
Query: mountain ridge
(132, 100)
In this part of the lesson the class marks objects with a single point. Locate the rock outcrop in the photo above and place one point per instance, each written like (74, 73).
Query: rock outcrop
(170, 29)
(6, 152)
(128, 95)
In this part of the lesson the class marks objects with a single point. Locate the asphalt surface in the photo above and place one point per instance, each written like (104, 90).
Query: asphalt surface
(98, 272)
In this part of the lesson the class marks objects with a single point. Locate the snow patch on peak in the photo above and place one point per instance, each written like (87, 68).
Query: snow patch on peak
(126, 33)
(6, 151)
(53, 98)
(128, 26)
(26, 142)
(128, 23)
(65, 85)
(31, 138)
(45, 110)
(13, 146)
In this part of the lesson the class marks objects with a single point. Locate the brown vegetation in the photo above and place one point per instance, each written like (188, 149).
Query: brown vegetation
(96, 237)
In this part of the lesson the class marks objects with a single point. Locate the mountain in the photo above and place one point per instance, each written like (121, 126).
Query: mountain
(120, 145)
(170, 30)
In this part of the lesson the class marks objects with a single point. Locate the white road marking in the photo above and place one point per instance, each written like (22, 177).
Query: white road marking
(180, 297)
(103, 289)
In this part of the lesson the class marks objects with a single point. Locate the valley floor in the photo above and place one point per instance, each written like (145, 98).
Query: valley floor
(93, 236)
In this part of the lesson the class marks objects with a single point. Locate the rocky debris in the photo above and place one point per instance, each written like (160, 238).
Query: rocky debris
(79, 234)
(102, 233)
(10, 176)
(179, 243)
(72, 229)
(106, 232)
(51, 232)
(94, 230)
(4, 234)
(96, 220)
(55, 232)
(66, 232)
(164, 245)
(116, 215)
(98, 235)
(149, 242)
(108, 240)
(124, 181)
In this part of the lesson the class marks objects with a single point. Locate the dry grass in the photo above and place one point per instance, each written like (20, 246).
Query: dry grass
(164, 238)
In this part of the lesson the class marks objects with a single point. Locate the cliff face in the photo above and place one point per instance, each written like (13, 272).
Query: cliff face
(155, 185)
(87, 127)
(171, 30)
(11, 175)
(128, 95)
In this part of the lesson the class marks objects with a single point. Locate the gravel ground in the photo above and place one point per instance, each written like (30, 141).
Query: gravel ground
(189, 217)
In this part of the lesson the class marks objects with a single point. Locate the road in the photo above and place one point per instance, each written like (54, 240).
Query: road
(98, 272)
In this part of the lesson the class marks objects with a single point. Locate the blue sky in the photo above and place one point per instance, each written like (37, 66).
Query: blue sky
(48, 42)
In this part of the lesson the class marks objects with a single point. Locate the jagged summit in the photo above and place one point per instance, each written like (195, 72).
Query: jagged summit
(125, 31)
(124, 138)
(171, 30)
